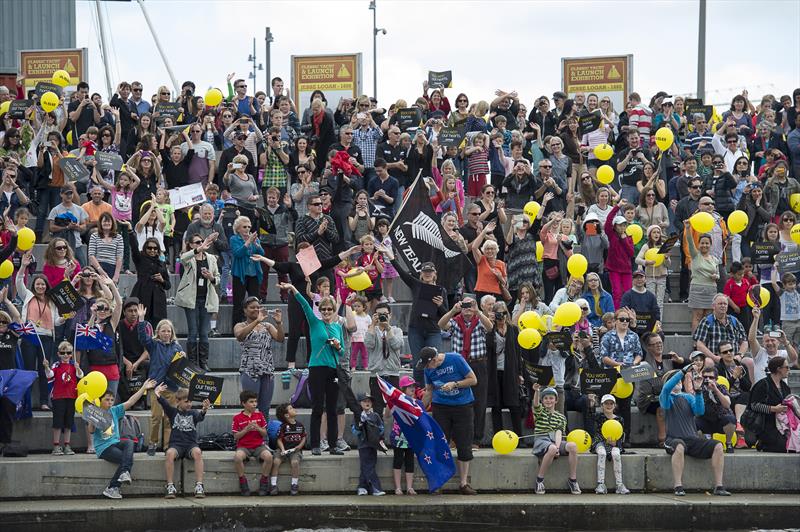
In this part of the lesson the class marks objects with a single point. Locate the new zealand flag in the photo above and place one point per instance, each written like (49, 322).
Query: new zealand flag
(425, 436)
(91, 337)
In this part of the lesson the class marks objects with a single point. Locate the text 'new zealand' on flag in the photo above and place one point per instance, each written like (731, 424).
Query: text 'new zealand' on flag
(89, 337)
(418, 237)
(425, 436)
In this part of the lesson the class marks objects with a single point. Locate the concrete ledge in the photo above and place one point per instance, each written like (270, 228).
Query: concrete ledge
(646, 471)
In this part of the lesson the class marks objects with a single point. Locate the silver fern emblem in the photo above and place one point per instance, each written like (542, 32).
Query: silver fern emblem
(425, 229)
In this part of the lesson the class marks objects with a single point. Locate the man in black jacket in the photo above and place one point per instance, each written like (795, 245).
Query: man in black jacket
(127, 113)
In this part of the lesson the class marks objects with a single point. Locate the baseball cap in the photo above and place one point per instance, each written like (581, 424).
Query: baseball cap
(560, 95)
(669, 101)
(638, 272)
(608, 397)
(549, 391)
(406, 381)
(620, 220)
(131, 301)
(697, 354)
(426, 354)
(66, 188)
(363, 396)
(428, 267)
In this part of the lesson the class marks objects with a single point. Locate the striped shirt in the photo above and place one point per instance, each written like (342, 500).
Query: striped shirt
(548, 422)
(694, 139)
(641, 118)
(106, 252)
(478, 162)
(367, 140)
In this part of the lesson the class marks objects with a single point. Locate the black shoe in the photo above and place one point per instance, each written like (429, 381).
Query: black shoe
(679, 491)
(204, 366)
(263, 488)
(729, 449)
(336, 452)
(316, 452)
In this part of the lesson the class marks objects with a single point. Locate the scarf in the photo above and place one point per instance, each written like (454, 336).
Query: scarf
(466, 333)
(317, 121)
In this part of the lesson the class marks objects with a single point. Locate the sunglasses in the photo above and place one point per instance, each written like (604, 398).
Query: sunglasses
(788, 219)
(707, 204)
(547, 165)
(60, 248)
(461, 101)
(164, 94)
(326, 309)
(726, 352)
(624, 320)
(695, 186)
(65, 352)
(101, 308)
(136, 90)
(4, 322)
(316, 204)
(243, 86)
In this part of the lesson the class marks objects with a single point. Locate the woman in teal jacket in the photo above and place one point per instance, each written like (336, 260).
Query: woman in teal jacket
(327, 343)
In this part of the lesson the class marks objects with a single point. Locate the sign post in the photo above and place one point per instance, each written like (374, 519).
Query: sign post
(338, 76)
(610, 76)
(39, 65)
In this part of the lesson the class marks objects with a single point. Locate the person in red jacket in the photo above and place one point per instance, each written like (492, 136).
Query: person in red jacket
(620, 253)
(64, 375)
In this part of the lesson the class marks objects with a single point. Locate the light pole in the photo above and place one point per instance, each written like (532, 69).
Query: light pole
(701, 51)
(375, 31)
(268, 38)
(256, 68)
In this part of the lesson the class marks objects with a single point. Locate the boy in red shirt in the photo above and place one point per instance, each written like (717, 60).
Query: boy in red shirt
(65, 376)
(249, 429)
(736, 289)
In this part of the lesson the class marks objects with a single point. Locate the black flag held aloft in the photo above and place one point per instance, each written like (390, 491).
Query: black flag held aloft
(418, 237)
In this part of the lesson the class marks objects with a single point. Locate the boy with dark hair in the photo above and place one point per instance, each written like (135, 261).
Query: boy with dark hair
(369, 429)
(183, 438)
(549, 441)
(736, 288)
(249, 429)
(291, 440)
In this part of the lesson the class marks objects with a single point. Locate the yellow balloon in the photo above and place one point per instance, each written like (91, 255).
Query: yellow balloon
(577, 265)
(635, 232)
(69, 137)
(6, 269)
(528, 320)
(764, 293)
(737, 221)
(794, 201)
(358, 282)
(622, 389)
(26, 238)
(49, 101)
(529, 338)
(664, 138)
(702, 222)
(505, 441)
(79, 402)
(4, 107)
(539, 251)
(721, 438)
(93, 384)
(612, 430)
(213, 97)
(531, 209)
(654, 255)
(603, 152)
(605, 174)
(723, 381)
(61, 78)
(581, 439)
(795, 233)
(567, 314)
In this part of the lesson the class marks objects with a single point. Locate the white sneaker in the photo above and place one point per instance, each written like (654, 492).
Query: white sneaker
(379, 493)
(391, 300)
(573, 487)
(601, 489)
(323, 446)
(622, 490)
(539, 488)
(125, 478)
(199, 492)
(341, 445)
(112, 493)
(171, 491)
(383, 299)
(361, 491)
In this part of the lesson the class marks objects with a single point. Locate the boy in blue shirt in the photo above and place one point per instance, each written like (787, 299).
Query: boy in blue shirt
(107, 444)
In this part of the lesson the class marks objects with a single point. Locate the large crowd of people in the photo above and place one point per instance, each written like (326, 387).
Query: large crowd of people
(278, 182)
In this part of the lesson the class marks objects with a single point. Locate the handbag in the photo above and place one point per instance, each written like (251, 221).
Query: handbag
(753, 421)
(552, 273)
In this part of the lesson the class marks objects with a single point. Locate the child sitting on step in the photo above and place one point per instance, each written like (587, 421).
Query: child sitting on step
(291, 440)
(608, 449)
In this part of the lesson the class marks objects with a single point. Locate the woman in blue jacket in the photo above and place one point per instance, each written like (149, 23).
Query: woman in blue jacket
(245, 271)
(599, 300)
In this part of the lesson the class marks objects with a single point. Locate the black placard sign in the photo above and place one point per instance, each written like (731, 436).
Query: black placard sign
(450, 136)
(644, 321)
(764, 252)
(181, 371)
(590, 122)
(695, 106)
(18, 107)
(409, 117)
(101, 419)
(74, 169)
(107, 161)
(204, 387)
(46, 86)
(66, 298)
(668, 244)
(789, 262)
(560, 340)
(541, 374)
(641, 372)
(440, 79)
(597, 381)
(136, 381)
(165, 109)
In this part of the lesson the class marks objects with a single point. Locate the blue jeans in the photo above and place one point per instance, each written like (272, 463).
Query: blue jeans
(417, 339)
(120, 453)
(630, 193)
(368, 478)
(263, 386)
(225, 275)
(198, 322)
(48, 198)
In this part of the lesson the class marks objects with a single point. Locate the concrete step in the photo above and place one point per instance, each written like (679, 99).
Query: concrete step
(648, 471)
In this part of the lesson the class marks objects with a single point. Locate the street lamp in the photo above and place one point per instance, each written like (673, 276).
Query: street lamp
(252, 58)
(268, 38)
(375, 31)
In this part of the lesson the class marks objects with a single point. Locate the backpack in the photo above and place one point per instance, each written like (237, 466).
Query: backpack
(217, 442)
(129, 429)
(273, 428)
(301, 398)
